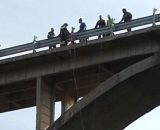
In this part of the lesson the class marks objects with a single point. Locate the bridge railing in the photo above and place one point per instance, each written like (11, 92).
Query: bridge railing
(86, 34)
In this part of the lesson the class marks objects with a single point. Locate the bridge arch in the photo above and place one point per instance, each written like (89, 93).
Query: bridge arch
(118, 101)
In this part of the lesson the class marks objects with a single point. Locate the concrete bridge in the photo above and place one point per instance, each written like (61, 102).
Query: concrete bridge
(117, 76)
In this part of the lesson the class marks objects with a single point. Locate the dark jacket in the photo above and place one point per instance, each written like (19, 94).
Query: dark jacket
(50, 35)
(127, 17)
(64, 33)
(100, 23)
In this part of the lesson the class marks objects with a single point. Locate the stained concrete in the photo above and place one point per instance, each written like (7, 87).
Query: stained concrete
(118, 101)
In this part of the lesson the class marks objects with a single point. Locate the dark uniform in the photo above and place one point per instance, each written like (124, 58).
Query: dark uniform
(51, 35)
(64, 35)
(127, 17)
(100, 23)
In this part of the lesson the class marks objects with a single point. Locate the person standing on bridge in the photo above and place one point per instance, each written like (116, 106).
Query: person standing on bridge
(100, 24)
(127, 17)
(64, 34)
(82, 28)
(51, 35)
(110, 23)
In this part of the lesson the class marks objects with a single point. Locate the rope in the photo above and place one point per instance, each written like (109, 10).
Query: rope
(75, 82)
(76, 85)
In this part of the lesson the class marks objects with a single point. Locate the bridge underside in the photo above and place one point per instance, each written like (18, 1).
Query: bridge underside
(98, 60)
(117, 102)
(23, 94)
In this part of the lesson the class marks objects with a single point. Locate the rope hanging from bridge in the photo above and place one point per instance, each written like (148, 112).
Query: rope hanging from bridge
(72, 57)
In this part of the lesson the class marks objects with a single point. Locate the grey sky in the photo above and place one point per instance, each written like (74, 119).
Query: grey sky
(21, 19)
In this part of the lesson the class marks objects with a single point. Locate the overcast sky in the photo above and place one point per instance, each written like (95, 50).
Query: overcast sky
(21, 19)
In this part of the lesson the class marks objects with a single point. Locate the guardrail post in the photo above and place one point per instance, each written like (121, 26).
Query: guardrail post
(154, 17)
(34, 42)
(111, 30)
(72, 35)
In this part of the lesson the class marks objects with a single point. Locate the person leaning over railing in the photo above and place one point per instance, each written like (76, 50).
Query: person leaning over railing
(51, 35)
(127, 17)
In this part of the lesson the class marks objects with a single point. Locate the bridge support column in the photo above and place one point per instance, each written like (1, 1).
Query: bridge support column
(45, 102)
(67, 102)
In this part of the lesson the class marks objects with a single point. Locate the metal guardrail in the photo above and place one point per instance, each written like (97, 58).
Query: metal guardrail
(86, 34)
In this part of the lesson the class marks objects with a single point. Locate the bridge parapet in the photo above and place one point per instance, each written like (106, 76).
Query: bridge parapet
(153, 19)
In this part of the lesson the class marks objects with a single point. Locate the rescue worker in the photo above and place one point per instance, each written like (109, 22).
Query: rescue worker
(127, 17)
(110, 23)
(82, 28)
(64, 34)
(100, 23)
(51, 35)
